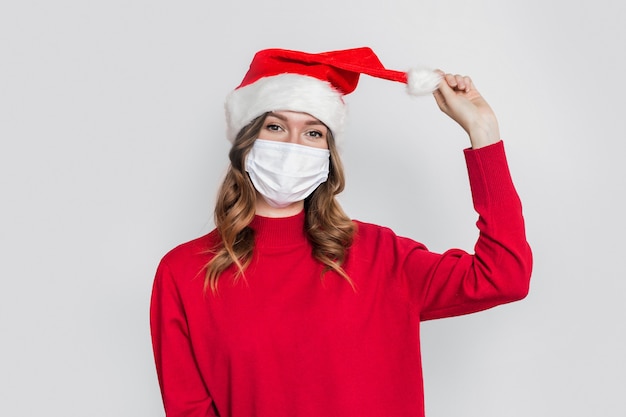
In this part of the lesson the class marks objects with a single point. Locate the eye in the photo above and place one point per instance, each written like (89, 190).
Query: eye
(315, 134)
(273, 127)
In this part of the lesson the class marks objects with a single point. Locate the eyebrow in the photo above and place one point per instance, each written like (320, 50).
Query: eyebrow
(284, 119)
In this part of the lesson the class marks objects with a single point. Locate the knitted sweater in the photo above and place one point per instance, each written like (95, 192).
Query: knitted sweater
(285, 343)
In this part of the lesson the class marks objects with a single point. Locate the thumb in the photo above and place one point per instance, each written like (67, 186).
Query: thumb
(443, 94)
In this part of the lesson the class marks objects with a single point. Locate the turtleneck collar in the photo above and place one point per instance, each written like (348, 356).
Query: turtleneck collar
(279, 231)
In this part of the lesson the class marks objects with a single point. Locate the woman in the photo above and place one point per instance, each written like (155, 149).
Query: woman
(289, 308)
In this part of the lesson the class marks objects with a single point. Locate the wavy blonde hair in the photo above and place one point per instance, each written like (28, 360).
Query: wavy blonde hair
(329, 230)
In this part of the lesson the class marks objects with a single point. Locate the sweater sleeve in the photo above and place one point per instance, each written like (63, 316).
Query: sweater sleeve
(498, 272)
(182, 388)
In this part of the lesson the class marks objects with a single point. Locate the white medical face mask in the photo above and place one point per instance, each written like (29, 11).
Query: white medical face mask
(284, 173)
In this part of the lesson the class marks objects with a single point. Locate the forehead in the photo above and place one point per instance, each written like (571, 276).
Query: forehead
(295, 117)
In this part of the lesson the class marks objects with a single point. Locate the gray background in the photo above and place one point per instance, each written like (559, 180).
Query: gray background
(112, 148)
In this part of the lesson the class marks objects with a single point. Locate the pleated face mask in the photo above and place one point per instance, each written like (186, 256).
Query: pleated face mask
(284, 173)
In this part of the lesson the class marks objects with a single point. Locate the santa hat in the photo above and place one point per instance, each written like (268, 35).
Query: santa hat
(280, 79)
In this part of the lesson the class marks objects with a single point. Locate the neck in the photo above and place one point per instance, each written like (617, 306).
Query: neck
(265, 210)
(279, 232)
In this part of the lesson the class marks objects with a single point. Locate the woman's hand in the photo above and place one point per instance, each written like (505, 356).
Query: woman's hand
(458, 98)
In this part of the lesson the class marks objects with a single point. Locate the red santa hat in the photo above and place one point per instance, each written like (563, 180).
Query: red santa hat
(280, 79)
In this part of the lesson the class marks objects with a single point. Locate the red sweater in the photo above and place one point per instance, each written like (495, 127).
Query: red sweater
(290, 344)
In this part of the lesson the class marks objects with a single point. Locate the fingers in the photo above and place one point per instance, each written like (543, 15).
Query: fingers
(459, 82)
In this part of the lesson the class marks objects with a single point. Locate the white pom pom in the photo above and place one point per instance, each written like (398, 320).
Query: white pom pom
(421, 82)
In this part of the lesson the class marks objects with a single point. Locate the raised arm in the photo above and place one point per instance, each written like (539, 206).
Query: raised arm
(499, 269)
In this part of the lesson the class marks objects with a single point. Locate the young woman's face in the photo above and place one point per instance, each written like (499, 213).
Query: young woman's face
(295, 127)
